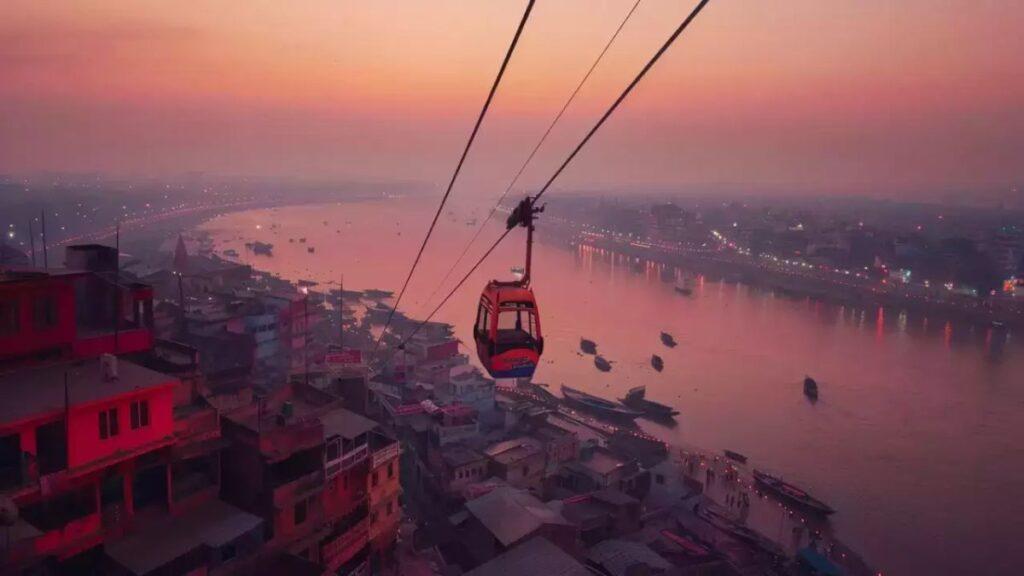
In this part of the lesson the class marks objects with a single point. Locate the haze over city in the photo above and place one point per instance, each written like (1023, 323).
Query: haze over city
(466, 287)
(913, 99)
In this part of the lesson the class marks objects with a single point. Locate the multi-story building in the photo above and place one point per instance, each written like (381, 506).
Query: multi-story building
(519, 461)
(305, 465)
(53, 314)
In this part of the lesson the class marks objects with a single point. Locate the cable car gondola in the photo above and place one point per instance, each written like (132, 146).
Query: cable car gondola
(507, 329)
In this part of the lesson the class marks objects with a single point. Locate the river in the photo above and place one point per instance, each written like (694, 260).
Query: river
(916, 438)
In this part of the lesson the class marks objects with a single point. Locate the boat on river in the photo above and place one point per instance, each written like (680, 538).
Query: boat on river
(599, 406)
(810, 388)
(588, 346)
(636, 399)
(657, 363)
(668, 340)
(735, 456)
(791, 493)
(685, 286)
(602, 364)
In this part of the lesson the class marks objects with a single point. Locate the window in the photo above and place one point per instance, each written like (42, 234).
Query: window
(108, 423)
(660, 478)
(140, 414)
(516, 323)
(483, 316)
(8, 317)
(391, 469)
(376, 479)
(44, 312)
(300, 512)
(333, 451)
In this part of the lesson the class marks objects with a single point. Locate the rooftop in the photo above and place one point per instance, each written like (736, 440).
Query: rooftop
(617, 556)
(31, 392)
(345, 423)
(31, 274)
(214, 524)
(510, 451)
(537, 556)
(602, 462)
(512, 514)
(455, 455)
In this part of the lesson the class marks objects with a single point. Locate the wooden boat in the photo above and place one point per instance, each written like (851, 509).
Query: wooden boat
(736, 456)
(668, 340)
(810, 388)
(602, 364)
(636, 400)
(657, 363)
(597, 405)
(588, 346)
(791, 493)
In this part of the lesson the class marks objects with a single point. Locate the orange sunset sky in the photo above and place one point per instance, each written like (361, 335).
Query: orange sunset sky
(896, 97)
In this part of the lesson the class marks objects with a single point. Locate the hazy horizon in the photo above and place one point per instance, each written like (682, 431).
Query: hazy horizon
(910, 100)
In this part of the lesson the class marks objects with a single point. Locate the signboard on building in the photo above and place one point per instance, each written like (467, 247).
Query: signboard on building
(344, 357)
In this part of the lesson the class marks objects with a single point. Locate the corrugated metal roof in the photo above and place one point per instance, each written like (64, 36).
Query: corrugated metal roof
(512, 514)
(616, 556)
(213, 524)
(345, 423)
(536, 556)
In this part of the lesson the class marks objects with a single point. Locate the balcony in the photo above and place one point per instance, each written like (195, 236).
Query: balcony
(349, 536)
(383, 455)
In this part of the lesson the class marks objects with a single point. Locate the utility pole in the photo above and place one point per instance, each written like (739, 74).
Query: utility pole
(42, 216)
(341, 315)
(117, 287)
(32, 242)
(305, 337)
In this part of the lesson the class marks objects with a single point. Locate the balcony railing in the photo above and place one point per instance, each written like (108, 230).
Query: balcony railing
(384, 454)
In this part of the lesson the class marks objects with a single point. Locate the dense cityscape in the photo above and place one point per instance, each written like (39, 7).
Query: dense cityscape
(461, 288)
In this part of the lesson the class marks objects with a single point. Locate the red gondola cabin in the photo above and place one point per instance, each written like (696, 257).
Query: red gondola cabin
(507, 330)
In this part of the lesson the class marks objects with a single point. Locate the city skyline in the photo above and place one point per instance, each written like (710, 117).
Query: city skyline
(906, 101)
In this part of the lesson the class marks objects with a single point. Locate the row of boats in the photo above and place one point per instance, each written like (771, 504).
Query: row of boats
(632, 406)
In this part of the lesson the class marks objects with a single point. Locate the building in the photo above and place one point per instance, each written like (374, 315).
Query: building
(77, 447)
(538, 556)
(452, 423)
(599, 468)
(519, 461)
(55, 314)
(507, 517)
(615, 557)
(455, 467)
(304, 464)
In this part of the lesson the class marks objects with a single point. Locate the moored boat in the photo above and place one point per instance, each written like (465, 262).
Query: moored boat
(636, 399)
(598, 405)
(810, 388)
(602, 364)
(657, 363)
(736, 456)
(791, 493)
(588, 346)
(668, 340)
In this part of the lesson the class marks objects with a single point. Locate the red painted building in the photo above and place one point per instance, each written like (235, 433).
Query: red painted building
(302, 462)
(48, 314)
(70, 438)
(96, 449)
